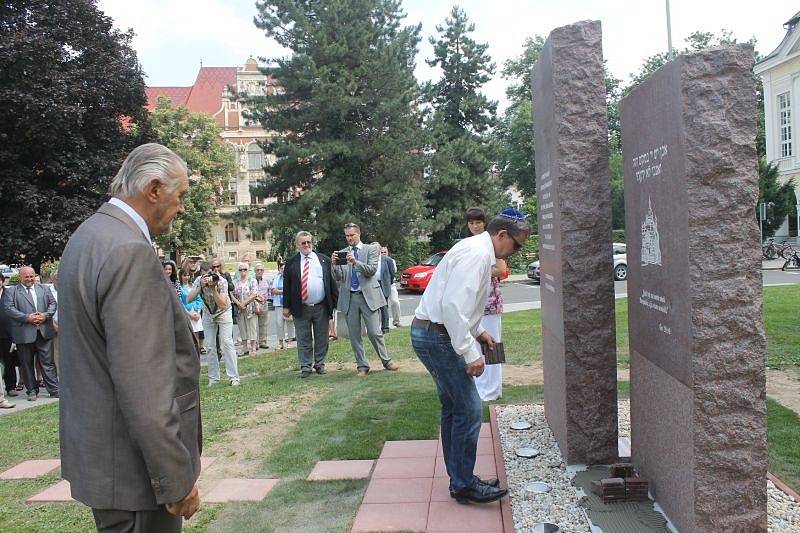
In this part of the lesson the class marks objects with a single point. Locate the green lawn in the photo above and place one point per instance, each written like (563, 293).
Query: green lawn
(348, 418)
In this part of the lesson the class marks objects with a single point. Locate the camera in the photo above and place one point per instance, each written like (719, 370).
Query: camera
(341, 257)
(212, 277)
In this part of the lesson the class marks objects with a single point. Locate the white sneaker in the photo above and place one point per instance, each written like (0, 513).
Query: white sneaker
(235, 383)
(5, 404)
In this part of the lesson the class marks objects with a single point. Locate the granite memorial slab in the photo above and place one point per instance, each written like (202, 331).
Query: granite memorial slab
(575, 249)
(697, 342)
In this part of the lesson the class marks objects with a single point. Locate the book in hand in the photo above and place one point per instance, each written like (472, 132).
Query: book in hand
(495, 356)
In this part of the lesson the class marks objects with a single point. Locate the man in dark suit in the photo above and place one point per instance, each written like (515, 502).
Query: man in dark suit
(309, 295)
(31, 307)
(388, 270)
(130, 410)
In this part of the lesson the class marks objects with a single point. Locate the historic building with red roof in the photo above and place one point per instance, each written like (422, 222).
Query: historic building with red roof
(214, 94)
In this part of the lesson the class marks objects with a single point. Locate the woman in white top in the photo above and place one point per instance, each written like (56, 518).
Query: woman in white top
(490, 383)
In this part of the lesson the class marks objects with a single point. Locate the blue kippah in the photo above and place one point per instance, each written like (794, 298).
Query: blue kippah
(514, 214)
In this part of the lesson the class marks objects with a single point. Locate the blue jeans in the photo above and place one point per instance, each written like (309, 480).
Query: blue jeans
(461, 405)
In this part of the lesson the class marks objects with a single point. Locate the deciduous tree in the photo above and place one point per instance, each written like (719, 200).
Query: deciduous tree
(72, 107)
(196, 138)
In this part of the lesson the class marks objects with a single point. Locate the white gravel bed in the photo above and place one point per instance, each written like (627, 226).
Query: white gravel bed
(560, 505)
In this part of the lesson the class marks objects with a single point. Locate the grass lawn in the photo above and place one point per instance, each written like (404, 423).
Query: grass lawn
(346, 418)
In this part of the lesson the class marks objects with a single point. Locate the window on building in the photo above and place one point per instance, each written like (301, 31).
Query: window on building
(785, 124)
(231, 232)
(230, 197)
(255, 158)
(261, 254)
(259, 235)
(256, 196)
(232, 256)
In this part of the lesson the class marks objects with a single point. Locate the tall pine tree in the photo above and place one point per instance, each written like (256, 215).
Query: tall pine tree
(348, 133)
(459, 174)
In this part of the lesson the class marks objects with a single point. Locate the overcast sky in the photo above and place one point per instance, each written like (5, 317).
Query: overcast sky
(173, 36)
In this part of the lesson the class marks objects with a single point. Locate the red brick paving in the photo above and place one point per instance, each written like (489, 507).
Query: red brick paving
(410, 491)
(240, 490)
(31, 469)
(58, 493)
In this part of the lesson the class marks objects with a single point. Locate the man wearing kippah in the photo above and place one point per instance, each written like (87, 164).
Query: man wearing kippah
(448, 338)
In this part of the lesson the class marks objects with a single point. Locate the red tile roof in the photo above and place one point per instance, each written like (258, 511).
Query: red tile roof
(206, 95)
(177, 95)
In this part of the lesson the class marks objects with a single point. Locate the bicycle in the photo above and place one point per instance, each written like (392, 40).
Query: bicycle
(769, 250)
(792, 261)
(786, 250)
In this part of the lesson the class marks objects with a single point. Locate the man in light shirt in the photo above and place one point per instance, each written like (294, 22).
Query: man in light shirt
(447, 336)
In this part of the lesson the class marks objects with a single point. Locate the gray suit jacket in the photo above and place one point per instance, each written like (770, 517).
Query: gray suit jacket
(130, 412)
(370, 285)
(18, 305)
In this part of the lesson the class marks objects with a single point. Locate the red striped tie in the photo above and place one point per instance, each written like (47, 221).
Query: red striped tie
(304, 281)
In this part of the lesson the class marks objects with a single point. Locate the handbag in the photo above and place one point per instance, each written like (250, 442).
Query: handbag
(496, 356)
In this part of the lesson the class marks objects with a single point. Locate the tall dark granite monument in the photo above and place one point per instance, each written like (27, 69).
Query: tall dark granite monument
(694, 284)
(575, 250)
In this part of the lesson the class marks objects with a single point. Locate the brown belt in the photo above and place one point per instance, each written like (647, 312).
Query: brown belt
(428, 325)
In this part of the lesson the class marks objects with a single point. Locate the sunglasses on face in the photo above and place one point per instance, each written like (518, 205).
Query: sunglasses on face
(517, 244)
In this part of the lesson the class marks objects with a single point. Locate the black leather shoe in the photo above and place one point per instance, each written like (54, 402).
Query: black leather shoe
(480, 493)
(492, 482)
(304, 374)
(321, 370)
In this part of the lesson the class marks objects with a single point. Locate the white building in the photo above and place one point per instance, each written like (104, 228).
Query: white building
(213, 93)
(780, 74)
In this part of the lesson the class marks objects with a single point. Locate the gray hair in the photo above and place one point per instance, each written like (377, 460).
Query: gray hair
(142, 165)
(302, 234)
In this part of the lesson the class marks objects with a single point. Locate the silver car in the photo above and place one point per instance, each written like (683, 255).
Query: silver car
(620, 268)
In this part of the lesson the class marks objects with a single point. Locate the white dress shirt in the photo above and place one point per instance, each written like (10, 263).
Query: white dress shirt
(316, 285)
(131, 212)
(457, 292)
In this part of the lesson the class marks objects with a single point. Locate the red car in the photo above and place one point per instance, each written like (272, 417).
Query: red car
(416, 278)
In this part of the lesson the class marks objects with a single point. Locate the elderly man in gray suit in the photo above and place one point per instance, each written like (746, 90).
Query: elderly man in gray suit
(360, 296)
(31, 307)
(130, 410)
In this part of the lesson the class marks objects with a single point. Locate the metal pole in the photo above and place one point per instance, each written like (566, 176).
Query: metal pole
(669, 32)
(761, 207)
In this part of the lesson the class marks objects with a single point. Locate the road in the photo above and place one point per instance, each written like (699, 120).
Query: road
(524, 294)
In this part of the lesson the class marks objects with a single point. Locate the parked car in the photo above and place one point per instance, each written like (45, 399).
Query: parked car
(620, 268)
(8, 271)
(417, 277)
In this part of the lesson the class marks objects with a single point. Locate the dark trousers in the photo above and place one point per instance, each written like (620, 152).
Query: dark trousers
(41, 349)
(116, 521)
(384, 318)
(311, 330)
(9, 371)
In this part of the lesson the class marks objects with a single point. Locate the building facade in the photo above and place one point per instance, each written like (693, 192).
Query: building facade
(214, 93)
(780, 74)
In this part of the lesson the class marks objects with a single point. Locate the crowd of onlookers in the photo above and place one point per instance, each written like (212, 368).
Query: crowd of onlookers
(28, 337)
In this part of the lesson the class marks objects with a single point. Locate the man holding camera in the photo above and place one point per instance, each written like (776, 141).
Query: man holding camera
(309, 295)
(360, 296)
(217, 321)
